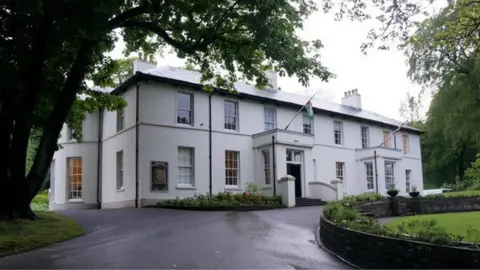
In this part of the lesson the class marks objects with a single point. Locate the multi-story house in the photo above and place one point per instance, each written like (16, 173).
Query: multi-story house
(174, 139)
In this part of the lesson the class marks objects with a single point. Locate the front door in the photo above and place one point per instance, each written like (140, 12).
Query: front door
(295, 171)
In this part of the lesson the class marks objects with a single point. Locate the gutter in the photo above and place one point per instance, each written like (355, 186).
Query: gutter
(99, 158)
(137, 122)
(210, 176)
(376, 171)
(274, 166)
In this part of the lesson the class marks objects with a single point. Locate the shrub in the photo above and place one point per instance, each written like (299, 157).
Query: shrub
(459, 194)
(224, 198)
(344, 214)
(253, 188)
(40, 202)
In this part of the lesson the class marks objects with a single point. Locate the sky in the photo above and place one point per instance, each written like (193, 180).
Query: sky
(379, 76)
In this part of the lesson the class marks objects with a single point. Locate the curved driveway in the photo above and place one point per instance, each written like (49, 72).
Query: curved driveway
(160, 238)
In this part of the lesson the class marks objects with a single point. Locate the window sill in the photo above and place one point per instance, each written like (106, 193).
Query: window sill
(184, 125)
(231, 130)
(122, 189)
(75, 201)
(185, 187)
(266, 187)
(233, 188)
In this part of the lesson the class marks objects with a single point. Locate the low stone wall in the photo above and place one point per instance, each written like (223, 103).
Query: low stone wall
(369, 251)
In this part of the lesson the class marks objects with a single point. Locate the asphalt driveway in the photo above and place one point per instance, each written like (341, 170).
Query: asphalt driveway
(159, 238)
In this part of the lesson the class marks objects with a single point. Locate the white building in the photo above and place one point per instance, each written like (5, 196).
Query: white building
(175, 139)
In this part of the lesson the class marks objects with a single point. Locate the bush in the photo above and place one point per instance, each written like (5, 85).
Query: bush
(459, 194)
(40, 202)
(344, 214)
(224, 198)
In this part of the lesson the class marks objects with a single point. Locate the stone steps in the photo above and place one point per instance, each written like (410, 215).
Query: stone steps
(299, 202)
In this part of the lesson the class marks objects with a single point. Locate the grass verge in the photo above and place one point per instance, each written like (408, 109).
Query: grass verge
(466, 225)
(24, 235)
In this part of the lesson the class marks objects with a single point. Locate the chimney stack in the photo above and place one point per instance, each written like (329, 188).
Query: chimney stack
(353, 99)
(272, 80)
(144, 62)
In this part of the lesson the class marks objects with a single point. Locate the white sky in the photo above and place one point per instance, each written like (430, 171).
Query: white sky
(380, 76)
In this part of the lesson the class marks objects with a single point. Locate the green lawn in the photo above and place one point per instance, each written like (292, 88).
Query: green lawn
(24, 235)
(455, 223)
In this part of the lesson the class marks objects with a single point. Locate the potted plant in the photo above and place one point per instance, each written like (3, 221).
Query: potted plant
(413, 192)
(392, 192)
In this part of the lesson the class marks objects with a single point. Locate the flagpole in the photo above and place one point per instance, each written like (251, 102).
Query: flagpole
(393, 133)
(299, 111)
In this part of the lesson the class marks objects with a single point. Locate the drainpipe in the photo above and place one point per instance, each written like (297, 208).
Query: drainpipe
(274, 166)
(99, 158)
(376, 171)
(137, 102)
(210, 142)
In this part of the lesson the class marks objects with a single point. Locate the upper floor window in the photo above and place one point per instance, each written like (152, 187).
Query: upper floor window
(307, 124)
(231, 115)
(386, 138)
(120, 119)
(406, 147)
(365, 138)
(185, 108)
(71, 132)
(270, 117)
(338, 132)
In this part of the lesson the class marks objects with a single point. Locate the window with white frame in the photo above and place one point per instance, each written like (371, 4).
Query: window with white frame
(120, 120)
(365, 138)
(338, 132)
(231, 115)
(186, 157)
(340, 170)
(389, 174)
(119, 170)
(185, 108)
(266, 166)
(270, 117)
(75, 169)
(159, 181)
(293, 156)
(408, 175)
(386, 138)
(232, 168)
(369, 175)
(307, 124)
(406, 146)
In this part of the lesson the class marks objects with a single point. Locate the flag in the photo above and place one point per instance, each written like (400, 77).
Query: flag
(309, 108)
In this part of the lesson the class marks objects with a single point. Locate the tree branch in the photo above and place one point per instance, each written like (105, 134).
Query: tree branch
(128, 14)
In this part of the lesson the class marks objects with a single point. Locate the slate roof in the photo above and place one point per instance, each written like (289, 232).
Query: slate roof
(190, 78)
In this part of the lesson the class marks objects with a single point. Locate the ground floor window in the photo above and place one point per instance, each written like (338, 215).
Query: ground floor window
(369, 175)
(232, 168)
(159, 176)
(340, 171)
(266, 166)
(185, 166)
(389, 174)
(408, 174)
(74, 178)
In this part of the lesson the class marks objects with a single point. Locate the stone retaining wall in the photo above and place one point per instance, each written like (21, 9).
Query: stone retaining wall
(369, 251)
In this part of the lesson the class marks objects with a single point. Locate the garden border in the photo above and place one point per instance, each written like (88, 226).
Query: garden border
(234, 208)
(370, 251)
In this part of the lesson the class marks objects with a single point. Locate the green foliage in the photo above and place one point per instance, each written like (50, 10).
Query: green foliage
(224, 199)
(41, 201)
(253, 188)
(459, 194)
(345, 214)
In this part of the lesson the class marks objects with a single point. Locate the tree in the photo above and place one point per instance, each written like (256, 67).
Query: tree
(410, 109)
(49, 49)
